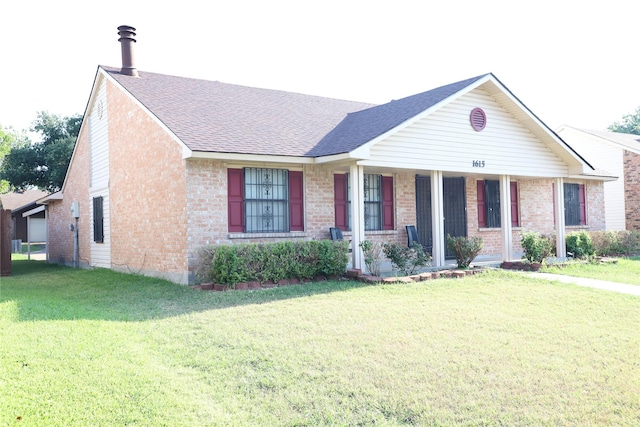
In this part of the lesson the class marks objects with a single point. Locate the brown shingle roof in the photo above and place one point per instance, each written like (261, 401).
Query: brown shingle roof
(219, 117)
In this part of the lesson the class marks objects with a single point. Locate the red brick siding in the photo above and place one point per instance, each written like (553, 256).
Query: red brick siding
(632, 190)
(59, 214)
(147, 192)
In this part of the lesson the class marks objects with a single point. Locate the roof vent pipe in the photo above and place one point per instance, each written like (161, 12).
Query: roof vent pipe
(127, 40)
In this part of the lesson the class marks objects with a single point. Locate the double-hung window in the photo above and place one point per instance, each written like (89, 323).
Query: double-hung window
(489, 204)
(262, 200)
(377, 197)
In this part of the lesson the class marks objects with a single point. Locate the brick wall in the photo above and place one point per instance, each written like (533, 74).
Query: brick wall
(59, 212)
(632, 190)
(147, 193)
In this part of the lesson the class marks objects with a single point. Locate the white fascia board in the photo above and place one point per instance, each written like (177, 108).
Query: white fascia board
(594, 177)
(354, 155)
(90, 101)
(250, 157)
(33, 211)
(153, 117)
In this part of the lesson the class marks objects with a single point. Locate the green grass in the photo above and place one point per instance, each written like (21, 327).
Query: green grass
(98, 348)
(34, 247)
(626, 270)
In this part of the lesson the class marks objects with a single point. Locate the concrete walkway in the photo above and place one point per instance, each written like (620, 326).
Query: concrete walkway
(591, 283)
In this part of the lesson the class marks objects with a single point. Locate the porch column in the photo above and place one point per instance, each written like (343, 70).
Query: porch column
(561, 247)
(46, 228)
(437, 219)
(356, 177)
(505, 215)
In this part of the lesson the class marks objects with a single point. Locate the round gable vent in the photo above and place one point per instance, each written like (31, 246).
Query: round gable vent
(478, 119)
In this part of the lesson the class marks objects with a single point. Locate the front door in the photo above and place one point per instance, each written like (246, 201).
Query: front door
(455, 212)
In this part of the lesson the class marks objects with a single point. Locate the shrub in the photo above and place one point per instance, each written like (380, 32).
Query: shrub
(230, 264)
(536, 247)
(465, 249)
(406, 259)
(606, 243)
(372, 256)
(579, 244)
(630, 242)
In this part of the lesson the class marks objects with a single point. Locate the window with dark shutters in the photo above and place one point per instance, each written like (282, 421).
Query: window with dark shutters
(98, 220)
(378, 201)
(489, 215)
(264, 200)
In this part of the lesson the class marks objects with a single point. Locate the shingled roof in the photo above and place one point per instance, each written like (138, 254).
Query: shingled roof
(210, 116)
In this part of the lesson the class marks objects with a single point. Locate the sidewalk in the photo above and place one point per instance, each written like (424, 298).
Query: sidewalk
(591, 283)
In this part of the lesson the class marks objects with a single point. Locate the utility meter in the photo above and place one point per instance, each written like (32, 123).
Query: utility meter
(75, 210)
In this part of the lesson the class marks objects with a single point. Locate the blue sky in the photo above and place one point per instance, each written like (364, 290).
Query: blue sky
(570, 65)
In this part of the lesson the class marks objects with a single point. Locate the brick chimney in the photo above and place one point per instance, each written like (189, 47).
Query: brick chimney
(127, 40)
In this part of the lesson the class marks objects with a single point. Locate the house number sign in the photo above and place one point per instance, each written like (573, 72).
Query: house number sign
(477, 163)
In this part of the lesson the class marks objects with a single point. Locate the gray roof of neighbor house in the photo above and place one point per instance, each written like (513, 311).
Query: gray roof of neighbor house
(626, 140)
(211, 116)
(16, 201)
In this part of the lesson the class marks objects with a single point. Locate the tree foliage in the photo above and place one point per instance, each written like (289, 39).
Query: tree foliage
(630, 123)
(42, 164)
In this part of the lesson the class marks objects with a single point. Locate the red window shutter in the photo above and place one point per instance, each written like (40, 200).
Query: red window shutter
(553, 198)
(340, 200)
(387, 203)
(235, 199)
(482, 207)
(583, 206)
(296, 201)
(515, 222)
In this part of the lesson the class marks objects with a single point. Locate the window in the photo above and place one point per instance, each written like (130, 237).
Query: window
(574, 205)
(264, 200)
(377, 197)
(489, 204)
(98, 220)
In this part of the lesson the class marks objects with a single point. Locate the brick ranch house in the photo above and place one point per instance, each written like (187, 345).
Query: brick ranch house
(618, 153)
(164, 165)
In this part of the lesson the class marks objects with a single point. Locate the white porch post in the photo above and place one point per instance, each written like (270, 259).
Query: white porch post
(356, 177)
(505, 215)
(561, 247)
(437, 219)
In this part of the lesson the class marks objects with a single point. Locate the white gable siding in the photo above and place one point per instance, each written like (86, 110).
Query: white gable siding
(608, 157)
(99, 175)
(98, 138)
(445, 140)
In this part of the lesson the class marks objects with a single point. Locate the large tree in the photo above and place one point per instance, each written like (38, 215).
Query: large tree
(630, 123)
(42, 164)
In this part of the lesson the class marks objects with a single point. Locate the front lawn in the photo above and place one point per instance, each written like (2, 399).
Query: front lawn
(626, 270)
(98, 348)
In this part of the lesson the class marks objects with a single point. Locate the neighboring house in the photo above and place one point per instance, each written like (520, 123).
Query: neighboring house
(618, 153)
(164, 165)
(30, 227)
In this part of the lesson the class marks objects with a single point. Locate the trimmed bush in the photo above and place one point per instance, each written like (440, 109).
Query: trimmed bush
(406, 259)
(464, 249)
(579, 244)
(231, 264)
(536, 247)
